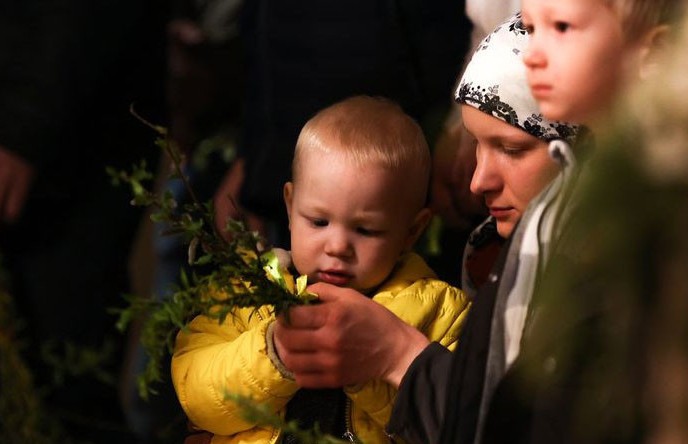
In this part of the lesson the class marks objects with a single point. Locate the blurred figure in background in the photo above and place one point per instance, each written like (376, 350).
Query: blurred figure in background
(205, 79)
(69, 71)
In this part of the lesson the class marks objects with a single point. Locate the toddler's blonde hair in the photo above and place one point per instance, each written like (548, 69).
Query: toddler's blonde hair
(370, 131)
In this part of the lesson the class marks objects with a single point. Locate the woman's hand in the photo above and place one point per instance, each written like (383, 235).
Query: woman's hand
(346, 339)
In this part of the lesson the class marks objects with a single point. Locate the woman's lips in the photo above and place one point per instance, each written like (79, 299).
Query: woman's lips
(500, 212)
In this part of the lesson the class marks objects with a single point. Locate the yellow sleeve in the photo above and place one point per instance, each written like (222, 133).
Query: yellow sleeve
(211, 360)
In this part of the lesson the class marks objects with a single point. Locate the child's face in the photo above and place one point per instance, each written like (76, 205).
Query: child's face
(512, 167)
(348, 223)
(576, 56)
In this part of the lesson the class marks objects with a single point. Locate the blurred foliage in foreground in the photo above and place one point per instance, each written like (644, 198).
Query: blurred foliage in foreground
(22, 417)
(230, 270)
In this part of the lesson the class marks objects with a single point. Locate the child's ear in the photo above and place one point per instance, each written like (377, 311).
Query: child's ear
(652, 46)
(288, 197)
(420, 222)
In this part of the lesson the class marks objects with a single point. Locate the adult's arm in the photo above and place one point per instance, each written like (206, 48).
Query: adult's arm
(419, 407)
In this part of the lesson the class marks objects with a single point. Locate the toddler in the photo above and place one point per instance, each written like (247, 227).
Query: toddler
(356, 206)
(583, 53)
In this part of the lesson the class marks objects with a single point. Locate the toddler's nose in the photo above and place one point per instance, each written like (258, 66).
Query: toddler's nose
(338, 244)
(534, 56)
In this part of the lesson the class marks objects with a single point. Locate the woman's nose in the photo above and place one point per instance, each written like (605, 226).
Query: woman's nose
(484, 179)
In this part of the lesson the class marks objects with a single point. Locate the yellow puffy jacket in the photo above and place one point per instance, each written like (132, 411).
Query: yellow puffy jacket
(212, 359)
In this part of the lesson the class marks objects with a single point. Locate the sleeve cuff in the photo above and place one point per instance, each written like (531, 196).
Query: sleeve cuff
(272, 353)
(418, 409)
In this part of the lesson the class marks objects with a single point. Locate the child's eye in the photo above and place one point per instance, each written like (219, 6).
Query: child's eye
(561, 26)
(367, 231)
(528, 28)
(319, 222)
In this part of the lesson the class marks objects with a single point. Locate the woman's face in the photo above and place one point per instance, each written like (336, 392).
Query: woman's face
(512, 167)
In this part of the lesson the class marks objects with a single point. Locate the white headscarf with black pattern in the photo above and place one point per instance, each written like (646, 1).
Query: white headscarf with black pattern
(495, 83)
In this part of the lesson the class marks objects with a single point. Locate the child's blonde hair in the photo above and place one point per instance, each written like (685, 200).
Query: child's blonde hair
(640, 16)
(370, 131)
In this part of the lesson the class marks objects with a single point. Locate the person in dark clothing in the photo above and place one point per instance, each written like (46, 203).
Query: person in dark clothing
(69, 71)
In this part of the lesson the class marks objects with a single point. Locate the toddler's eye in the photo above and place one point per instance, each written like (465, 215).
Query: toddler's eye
(319, 222)
(366, 231)
(561, 26)
(528, 28)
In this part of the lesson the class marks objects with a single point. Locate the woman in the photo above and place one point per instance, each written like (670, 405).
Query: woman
(514, 166)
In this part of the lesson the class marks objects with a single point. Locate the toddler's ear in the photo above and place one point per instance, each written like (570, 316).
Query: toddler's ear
(420, 222)
(288, 193)
(652, 46)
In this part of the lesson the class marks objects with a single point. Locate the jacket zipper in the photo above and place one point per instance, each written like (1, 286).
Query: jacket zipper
(348, 423)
